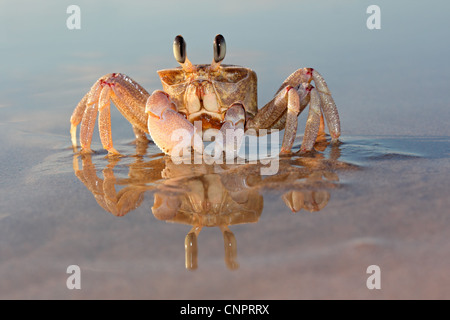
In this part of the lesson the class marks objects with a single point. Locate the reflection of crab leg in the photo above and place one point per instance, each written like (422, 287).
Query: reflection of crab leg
(191, 248)
(229, 242)
(118, 203)
(309, 200)
(128, 96)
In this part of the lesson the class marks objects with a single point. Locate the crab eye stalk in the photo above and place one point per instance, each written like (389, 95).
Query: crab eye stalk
(179, 49)
(219, 48)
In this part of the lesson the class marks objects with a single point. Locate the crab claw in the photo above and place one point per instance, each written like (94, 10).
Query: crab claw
(170, 131)
(165, 207)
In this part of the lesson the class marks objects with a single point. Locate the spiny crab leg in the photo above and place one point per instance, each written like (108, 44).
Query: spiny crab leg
(328, 106)
(86, 114)
(128, 96)
(104, 120)
(294, 107)
(232, 130)
(88, 124)
(76, 118)
(153, 114)
(313, 122)
(282, 111)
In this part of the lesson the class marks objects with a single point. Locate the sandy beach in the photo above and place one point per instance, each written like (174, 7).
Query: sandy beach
(380, 197)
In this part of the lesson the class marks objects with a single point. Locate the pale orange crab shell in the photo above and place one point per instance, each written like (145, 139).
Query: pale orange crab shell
(231, 83)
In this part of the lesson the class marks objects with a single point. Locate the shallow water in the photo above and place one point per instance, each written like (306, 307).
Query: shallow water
(308, 232)
(380, 197)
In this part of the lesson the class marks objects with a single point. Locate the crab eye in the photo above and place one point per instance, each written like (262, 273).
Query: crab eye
(179, 49)
(219, 48)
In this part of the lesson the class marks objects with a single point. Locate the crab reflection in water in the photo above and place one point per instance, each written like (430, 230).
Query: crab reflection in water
(204, 195)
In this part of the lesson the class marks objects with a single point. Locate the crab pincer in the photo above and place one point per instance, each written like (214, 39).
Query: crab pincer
(169, 130)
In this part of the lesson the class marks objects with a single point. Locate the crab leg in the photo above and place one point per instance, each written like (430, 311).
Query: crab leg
(270, 114)
(293, 110)
(313, 122)
(104, 120)
(232, 130)
(282, 113)
(303, 93)
(89, 119)
(303, 75)
(328, 105)
(76, 118)
(128, 96)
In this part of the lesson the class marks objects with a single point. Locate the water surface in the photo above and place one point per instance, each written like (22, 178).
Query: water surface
(379, 197)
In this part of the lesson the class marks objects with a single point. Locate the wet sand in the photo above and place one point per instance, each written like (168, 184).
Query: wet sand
(380, 198)
(389, 208)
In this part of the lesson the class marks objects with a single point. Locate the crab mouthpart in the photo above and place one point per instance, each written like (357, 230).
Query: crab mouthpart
(201, 97)
(209, 120)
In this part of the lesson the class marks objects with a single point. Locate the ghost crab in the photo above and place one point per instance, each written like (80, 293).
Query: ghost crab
(220, 97)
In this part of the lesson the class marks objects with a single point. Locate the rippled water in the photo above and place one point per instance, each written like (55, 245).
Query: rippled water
(379, 197)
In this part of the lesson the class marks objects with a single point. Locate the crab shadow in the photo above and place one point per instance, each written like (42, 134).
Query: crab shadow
(209, 195)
